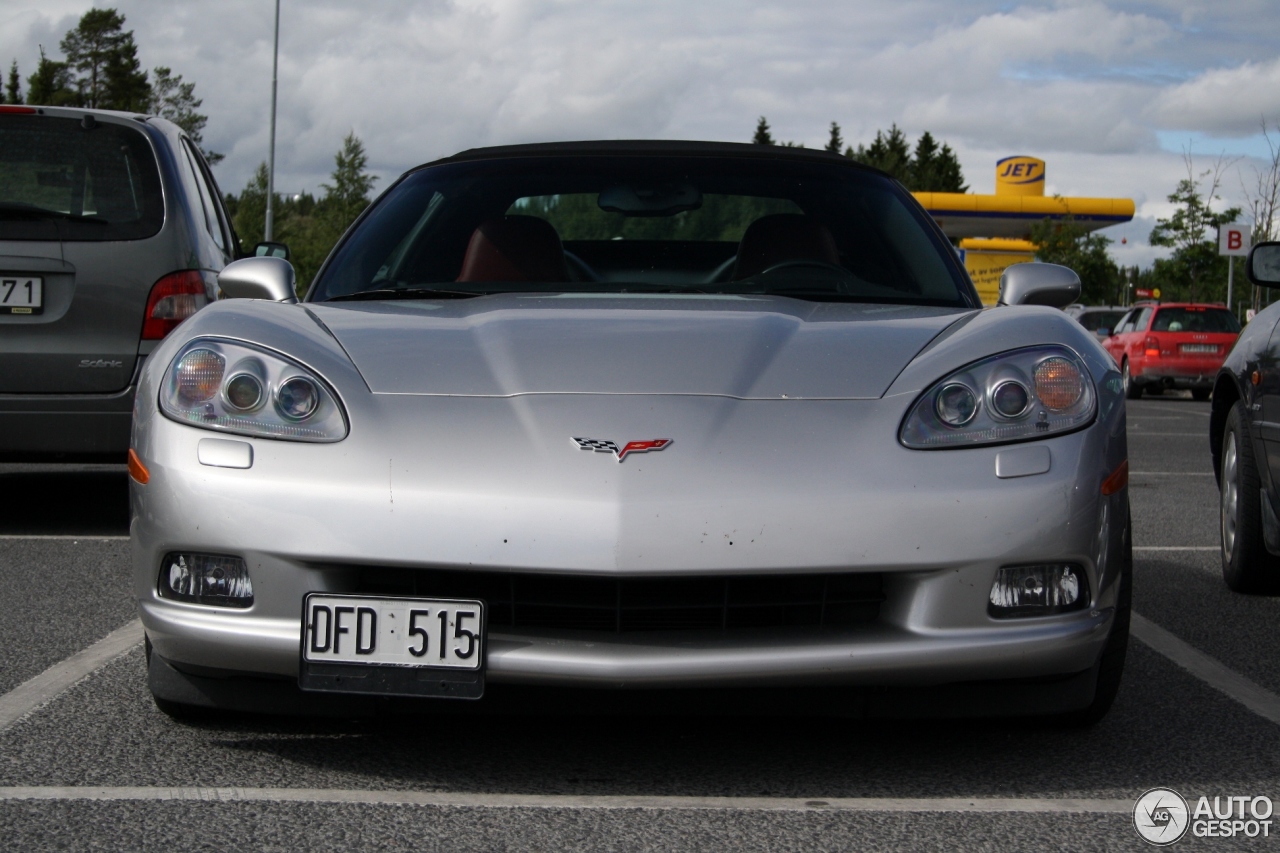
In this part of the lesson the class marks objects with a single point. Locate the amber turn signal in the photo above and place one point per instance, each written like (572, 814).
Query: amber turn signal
(1118, 480)
(137, 470)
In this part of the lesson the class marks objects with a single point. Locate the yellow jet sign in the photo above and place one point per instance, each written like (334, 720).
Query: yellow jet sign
(1020, 176)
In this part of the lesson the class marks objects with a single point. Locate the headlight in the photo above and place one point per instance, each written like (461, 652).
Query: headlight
(1015, 396)
(237, 388)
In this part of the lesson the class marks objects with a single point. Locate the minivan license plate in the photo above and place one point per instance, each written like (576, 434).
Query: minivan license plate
(393, 646)
(21, 294)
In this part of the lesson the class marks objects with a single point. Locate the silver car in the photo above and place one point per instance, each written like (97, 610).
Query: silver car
(112, 232)
(592, 418)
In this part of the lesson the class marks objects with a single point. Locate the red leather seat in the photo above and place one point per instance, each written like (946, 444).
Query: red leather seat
(782, 237)
(514, 248)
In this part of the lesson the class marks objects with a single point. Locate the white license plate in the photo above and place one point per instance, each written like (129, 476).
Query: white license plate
(21, 294)
(1199, 347)
(428, 633)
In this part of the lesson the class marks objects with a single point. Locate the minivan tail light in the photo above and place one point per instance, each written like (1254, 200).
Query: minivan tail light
(173, 299)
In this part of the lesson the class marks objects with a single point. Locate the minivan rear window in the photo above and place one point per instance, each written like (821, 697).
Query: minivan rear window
(62, 181)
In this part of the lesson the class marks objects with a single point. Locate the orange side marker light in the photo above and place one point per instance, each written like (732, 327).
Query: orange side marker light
(139, 472)
(1118, 480)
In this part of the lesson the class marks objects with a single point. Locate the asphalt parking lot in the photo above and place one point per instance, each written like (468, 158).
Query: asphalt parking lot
(97, 766)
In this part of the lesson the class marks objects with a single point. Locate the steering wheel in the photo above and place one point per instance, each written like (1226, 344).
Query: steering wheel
(580, 269)
(803, 263)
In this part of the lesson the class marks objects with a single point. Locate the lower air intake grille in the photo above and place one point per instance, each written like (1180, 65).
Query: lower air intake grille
(594, 603)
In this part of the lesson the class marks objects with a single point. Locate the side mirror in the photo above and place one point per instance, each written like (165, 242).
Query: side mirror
(269, 249)
(1263, 266)
(258, 278)
(1039, 284)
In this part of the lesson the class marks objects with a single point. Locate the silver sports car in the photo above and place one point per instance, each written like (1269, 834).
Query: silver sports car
(659, 417)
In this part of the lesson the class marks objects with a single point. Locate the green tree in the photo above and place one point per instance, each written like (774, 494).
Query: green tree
(835, 142)
(763, 136)
(309, 226)
(888, 152)
(1195, 271)
(105, 57)
(1066, 242)
(248, 210)
(175, 100)
(348, 195)
(930, 168)
(934, 168)
(13, 88)
(52, 84)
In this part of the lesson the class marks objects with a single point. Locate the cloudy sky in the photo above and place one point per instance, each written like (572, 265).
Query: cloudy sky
(1110, 94)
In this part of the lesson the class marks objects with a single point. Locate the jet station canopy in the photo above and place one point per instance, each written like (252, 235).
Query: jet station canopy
(994, 229)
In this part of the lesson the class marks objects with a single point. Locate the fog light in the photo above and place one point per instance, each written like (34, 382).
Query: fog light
(1038, 590)
(206, 579)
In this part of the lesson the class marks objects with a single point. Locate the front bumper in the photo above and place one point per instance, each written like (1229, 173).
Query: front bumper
(500, 496)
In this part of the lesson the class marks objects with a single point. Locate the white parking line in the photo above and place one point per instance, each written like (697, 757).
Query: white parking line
(1187, 411)
(62, 676)
(1143, 433)
(1133, 416)
(574, 801)
(1257, 699)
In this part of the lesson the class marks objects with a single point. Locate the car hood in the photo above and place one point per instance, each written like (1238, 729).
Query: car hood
(755, 347)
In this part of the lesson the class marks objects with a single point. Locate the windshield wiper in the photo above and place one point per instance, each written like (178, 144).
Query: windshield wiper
(406, 293)
(22, 210)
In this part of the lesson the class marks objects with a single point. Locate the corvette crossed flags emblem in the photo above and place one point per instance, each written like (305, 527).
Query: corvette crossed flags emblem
(621, 452)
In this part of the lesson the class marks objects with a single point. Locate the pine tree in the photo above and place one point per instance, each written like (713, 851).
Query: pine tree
(835, 144)
(934, 169)
(763, 136)
(13, 89)
(51, 84)
(176, 101)
(888, 153)
(348, 195)
(106, 59)
(929, 168)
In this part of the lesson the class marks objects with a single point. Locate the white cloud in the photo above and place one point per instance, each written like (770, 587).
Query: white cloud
(1222, 101)
(1089, 86)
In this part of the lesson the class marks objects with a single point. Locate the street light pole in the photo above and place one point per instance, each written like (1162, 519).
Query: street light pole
(271, 155)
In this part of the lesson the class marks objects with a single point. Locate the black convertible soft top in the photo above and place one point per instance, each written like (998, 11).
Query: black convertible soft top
(673, 147)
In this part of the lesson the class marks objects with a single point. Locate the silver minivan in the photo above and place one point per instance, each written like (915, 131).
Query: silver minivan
(112, 232)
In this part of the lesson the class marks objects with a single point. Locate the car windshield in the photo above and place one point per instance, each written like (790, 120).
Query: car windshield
(1095, 320)
(62, 181)
(655, 224)
(1195, 318)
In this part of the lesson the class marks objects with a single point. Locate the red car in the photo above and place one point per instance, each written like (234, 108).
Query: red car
(1174, 345)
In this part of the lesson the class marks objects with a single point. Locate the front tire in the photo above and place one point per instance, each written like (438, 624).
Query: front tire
(1132, 390)
(1247, 565)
